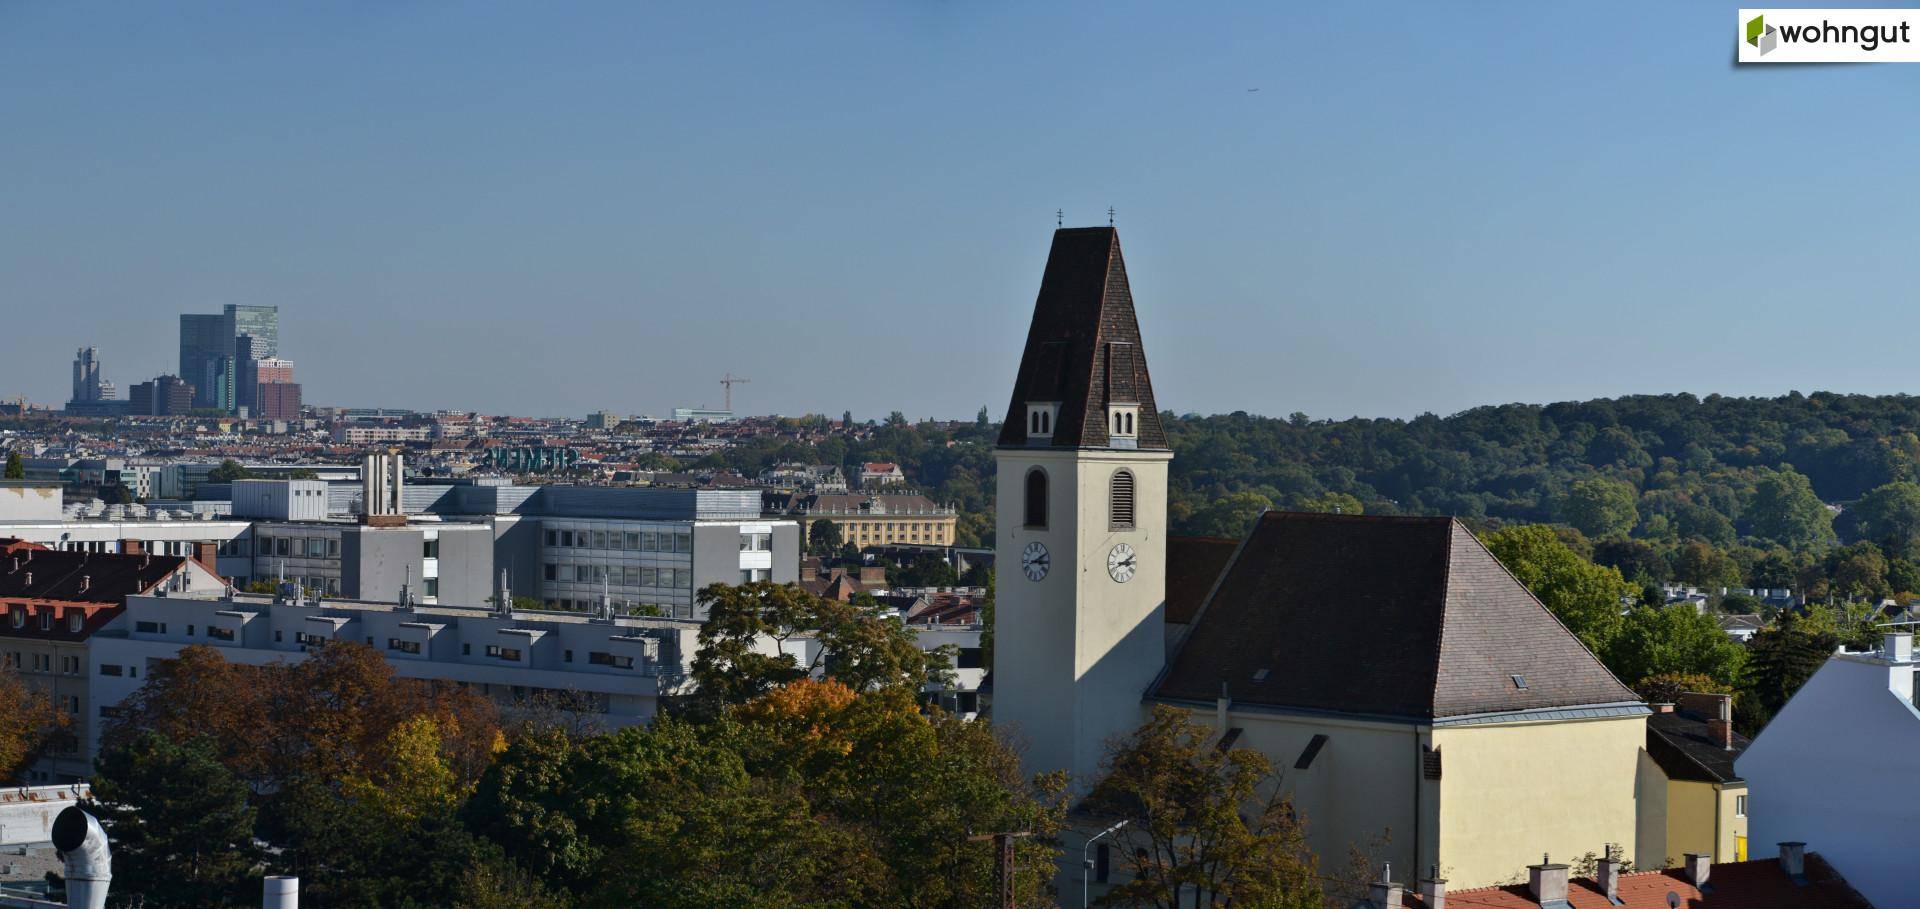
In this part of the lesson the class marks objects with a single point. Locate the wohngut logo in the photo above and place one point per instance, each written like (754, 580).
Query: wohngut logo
(1828, 36)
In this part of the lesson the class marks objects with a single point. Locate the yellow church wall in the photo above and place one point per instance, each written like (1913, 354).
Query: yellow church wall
(1362, 785)
(1511, 792)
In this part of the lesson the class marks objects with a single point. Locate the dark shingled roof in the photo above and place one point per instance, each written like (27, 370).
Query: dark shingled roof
(1679, 743)
(1193, 564)
(1404, 617)
(1083, 348)
(52, 574)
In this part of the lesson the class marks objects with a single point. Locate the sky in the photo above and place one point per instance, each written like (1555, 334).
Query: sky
(1347, 209)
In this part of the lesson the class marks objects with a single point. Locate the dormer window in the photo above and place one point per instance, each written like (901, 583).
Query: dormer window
(1121, 425)
(1040, 418)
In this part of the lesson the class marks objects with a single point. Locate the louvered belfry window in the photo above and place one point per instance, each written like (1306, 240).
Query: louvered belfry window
(1036, 510)
(1122, 500)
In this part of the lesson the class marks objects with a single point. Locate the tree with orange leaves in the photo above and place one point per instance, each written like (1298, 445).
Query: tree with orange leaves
(28, 724)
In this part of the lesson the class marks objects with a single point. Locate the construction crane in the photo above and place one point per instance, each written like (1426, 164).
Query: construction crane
(727, 382)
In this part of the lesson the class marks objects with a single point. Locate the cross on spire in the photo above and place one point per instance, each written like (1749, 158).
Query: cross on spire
(1109, 216)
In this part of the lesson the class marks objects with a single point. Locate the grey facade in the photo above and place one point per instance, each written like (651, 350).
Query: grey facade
(438, 563)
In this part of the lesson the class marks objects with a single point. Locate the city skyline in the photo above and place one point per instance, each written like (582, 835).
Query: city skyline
(817, 198)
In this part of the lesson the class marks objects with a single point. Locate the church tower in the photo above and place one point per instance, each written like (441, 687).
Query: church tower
(1081, 539)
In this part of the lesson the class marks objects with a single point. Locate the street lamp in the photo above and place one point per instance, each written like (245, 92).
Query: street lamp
(1086, 863)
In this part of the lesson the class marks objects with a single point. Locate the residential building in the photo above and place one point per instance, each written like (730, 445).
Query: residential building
(1796, 880)
(379, 433)
(1824, 764)
(612, 670)
(1702, 809)
(602, 420)
(879, 519)
(1406, 681)
(53, 600)
(875, 474)
(277, 401)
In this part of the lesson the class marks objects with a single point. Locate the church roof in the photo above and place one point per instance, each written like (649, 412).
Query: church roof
(1083, 348)
(1193, 564)
(1404, 617)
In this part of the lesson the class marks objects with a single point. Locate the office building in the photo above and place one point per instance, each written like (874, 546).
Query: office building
(165, 396)
(89, 387)
(277, 401)
(212, 347)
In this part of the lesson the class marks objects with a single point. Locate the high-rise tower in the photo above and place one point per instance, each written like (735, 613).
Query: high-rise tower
(1082, 516)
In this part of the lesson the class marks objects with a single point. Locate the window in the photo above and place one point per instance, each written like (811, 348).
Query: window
(145, 627)
(566, 538)
(114, 670)
(432, 586)
(1739, 806)
(553, 538)
(74, 622)
(219, 634)
(970, 658)
(333, 548)
(552, 572)
(633, 540)
(756, 542)
(617, 661)
(308, 640)
(403, 646)
(683, 542)
(1040, 420)
(20, 617)
(1036, 498)
(1120, 499)
(430, 549)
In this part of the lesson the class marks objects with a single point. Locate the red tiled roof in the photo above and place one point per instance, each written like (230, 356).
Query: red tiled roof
(1733, 885)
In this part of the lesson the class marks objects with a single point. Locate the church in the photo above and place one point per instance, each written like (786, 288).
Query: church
(1410, 693)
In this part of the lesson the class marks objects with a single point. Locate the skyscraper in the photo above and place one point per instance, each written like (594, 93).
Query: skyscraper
(88, 387)
(210, 355)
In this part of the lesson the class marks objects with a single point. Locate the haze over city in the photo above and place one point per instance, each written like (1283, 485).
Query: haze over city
(497, 207)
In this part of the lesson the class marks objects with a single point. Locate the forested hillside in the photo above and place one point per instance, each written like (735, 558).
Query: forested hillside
(1714, 491)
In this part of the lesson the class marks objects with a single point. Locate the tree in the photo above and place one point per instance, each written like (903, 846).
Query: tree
(1666, 688)
(1703, 565)
(1782, 656)
(1586, 597)
(982, 420)
(1331, 503)
(28, 724)
(1887, 513)
(856, 644)
(181, 823)
(228, 471)
(16, 468)
(1676, 639)
(1230, 515)
(823, 538)
(1204, 821)
(1602, 508)
(1786, 511)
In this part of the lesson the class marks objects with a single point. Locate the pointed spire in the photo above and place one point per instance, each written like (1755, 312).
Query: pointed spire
(1084, 353)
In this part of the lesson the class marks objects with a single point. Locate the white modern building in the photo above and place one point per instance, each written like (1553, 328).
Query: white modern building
(1836, 766)
(611, 670)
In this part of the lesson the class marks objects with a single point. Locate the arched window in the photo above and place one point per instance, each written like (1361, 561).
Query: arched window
(1129, 423)
(1033, 420)
(1119, 424)
(1120, 499)
(1036, 498)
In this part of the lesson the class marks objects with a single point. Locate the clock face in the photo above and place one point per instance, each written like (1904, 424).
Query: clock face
(1121, 563)
(1035, 561)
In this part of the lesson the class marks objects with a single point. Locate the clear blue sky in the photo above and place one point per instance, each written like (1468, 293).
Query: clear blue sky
(551, 208)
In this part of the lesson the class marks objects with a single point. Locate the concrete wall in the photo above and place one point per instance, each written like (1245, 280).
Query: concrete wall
(23, 502)
(467, 572)
(1822, 768)
(1511, 791)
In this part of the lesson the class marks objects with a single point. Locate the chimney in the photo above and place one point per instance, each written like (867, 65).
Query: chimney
(1384, 893)
(280, 891)
(205, 552)
(86, 582)
(1897, 647)
(1718, 710)
(1220, 706)
(1548, 884)
(1699, 866)
(132, 547)
(1661, 707)
(1793, 860)
(1607, 875)
(1433, 889)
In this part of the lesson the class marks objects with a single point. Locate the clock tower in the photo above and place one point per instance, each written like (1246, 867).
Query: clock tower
(1081, 538)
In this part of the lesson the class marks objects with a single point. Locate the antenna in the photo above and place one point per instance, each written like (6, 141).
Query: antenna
(727, 382)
